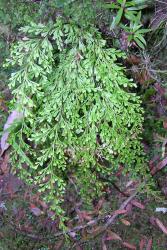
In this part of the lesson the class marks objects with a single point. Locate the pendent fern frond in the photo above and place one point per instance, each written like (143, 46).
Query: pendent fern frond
(78, 111)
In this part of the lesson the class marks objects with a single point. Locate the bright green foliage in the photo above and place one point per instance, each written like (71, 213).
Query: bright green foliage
(78, 110)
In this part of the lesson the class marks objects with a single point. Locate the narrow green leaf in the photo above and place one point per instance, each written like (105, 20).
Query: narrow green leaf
(136, 27)
(130, 16)
(142, 31)
(111, 6)
(136, 8)
(130, 38)
(139, 43)
(118, 16)
(141, 38)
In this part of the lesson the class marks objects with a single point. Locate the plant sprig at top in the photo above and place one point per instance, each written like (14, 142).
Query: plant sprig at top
(78, 110)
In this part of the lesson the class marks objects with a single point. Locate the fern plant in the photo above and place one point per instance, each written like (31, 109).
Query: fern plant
(78, 111)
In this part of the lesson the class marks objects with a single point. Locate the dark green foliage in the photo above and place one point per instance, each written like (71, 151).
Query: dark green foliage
(128, 18)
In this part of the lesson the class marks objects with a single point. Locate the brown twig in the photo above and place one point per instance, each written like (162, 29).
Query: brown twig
(123, 206)
(159, 166)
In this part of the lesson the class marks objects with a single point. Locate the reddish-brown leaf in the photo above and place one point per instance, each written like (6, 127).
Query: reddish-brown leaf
(152, 161)
(112, 236)
(43, 204)
(28, 228)
(165, 124)
(2, 235)
(142, 244)
(59, 245)
(4, 165)
(138, 204)
(100, 204)
(96, 231)
(140, 76)
(125, 222)
(3, 105)
(129, 246)
(9, 184)
(120, 211)
(20, 215)
(120, 169)
(161, 226)
(149, 244)
(133, 59)
(83, 215)
(35, 210)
